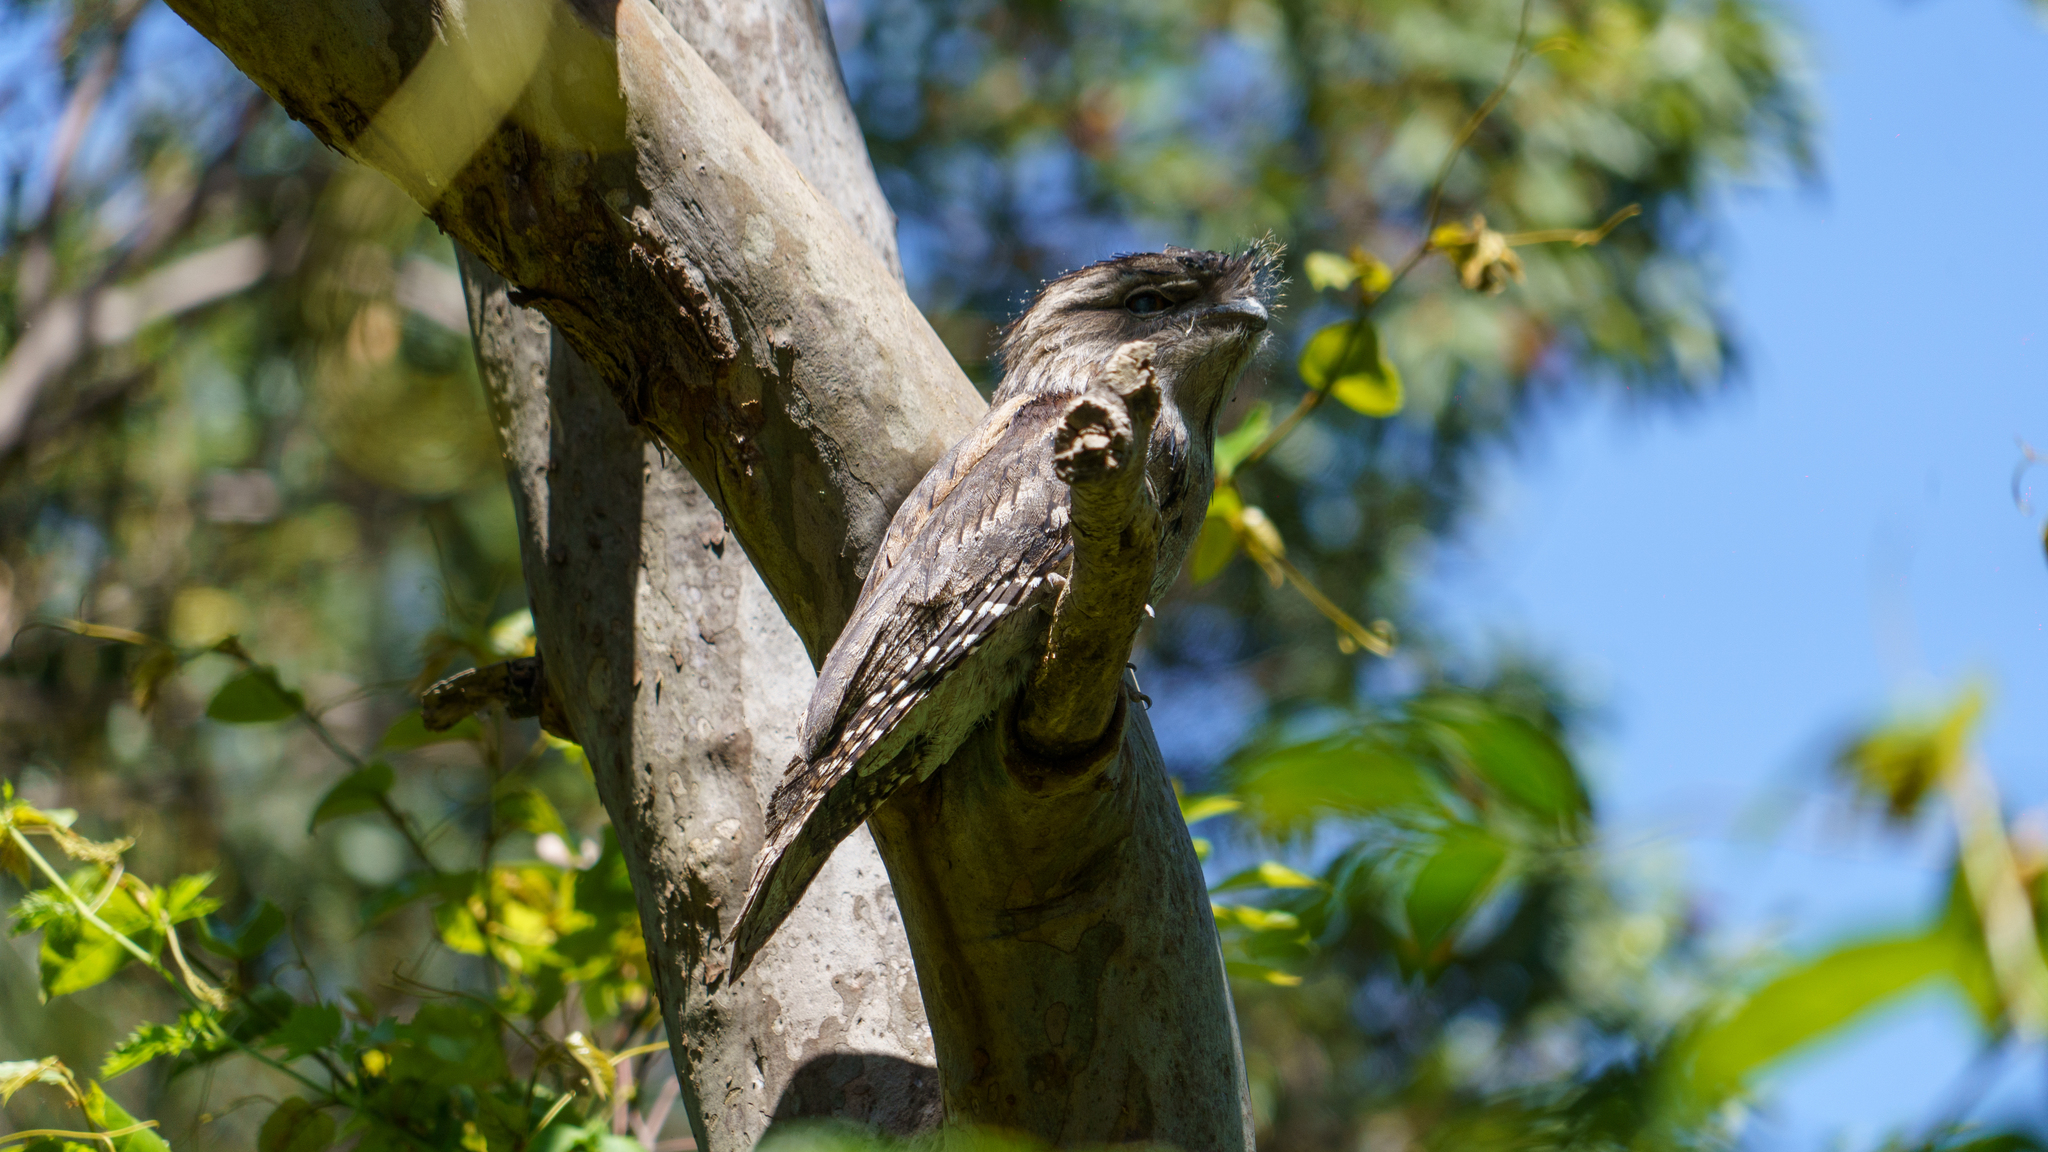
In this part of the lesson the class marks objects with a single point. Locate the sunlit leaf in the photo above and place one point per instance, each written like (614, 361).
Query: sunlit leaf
(1255, 919)
(1233, 446)
(254, 697)
(1327, 271)
(1194, 809)
(1347, 359)
(1218, 540)
(1260, 974)
(459, 928)
(1451, 882)
(362, 790)
(152, 1040)
(110, 1116)
(75, 954)
(186, 898)
(1810, 1002)
(1267, 874)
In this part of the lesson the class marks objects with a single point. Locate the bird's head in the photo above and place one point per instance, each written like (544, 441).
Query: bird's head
(1206, 312)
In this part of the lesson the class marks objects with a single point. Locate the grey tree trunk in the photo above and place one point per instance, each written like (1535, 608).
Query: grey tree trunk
(1063, 944)
(629, 567)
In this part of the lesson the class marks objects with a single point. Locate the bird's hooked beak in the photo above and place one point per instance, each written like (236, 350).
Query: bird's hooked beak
(1245, 312)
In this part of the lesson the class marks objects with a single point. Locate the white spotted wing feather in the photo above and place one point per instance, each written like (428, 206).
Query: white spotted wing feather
(942, 635)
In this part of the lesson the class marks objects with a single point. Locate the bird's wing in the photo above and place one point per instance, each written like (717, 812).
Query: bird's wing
(981, 532)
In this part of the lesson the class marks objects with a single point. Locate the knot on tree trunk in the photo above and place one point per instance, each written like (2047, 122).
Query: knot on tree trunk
(1069, 718)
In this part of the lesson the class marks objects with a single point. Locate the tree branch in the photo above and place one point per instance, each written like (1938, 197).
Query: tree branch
(1065, 950)
(1100, 451)
(520, 685)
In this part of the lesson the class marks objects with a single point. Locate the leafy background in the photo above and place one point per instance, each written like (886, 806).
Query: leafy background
(1437, 937)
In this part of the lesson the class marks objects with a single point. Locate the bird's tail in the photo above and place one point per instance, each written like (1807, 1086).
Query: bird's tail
(803, 831)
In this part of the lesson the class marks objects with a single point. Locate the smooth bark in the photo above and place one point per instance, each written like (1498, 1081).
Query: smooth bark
(1063, 941)
(629, 565)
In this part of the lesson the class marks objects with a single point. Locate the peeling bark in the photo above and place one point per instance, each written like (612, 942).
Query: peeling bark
(1063, 940)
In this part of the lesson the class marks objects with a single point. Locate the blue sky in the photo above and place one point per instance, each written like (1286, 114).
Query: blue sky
(1737, 584)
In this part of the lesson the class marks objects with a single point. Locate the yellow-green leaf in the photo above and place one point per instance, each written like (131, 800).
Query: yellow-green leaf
(1233, 446)
(1194, 809)
(1261, 974)
(112, 1117)
(1267, 874)
(1347, 359)
(1327, 271)
(1256, 919)
(1810, 1002)
(1217, 542)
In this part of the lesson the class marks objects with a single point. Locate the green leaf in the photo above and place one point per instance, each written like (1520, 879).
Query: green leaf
(1327, 270)
(1218, 540)
(459, 929)
(75, 955)
(1255, 919)
(1267, 874)
(447, 1044)
(1346, 358)
(254, 697)
(1260, 974)
(1195, 809)
(261, 1011)
(309, 1028)
(1811, 1001)
(1520, 761)
(362, 790)
(1451, 883)
(109, 1115)
(247, 940)
(526, 810)
(1354, 774)
(1233, 446)
(151, 1040)
(186, 898)
(295, 1126)
(445, 885)
(410, 731)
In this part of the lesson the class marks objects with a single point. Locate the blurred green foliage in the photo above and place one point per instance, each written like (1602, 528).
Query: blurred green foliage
(269, 425)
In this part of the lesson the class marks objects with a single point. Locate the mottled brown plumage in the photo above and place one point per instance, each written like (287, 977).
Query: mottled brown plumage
(948, 624)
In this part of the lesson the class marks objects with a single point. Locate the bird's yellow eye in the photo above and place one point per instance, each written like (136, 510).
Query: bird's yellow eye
(1147, 302)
